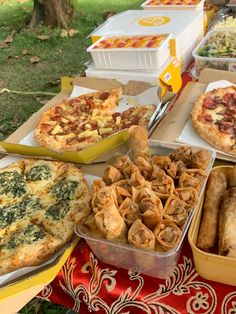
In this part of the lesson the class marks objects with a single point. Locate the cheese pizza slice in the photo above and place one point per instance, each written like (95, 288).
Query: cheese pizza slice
(29, 246)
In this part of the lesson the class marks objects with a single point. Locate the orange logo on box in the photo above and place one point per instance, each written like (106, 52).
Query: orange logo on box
(154, 21)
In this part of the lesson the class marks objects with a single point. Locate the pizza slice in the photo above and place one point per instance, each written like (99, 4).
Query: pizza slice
(214, 118)
(29, 246)
(12, 183)
(41, 176)
(71, 186)
(100, 100)
(20, 213)
(60, 218)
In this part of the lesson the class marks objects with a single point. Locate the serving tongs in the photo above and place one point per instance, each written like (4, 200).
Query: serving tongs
(165, 103)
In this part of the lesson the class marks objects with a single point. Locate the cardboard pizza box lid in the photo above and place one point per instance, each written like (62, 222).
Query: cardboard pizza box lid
(179, 115)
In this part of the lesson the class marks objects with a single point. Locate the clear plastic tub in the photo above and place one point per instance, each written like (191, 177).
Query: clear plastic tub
(150, 5)
(130, 58)
(208, 265)
(155, 264)
(220, 63)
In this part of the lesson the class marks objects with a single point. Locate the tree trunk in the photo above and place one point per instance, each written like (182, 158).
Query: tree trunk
(51, 12)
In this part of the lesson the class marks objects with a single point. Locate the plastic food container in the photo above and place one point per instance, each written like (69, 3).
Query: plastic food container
(210, 266)
(172, 5)
(155, 264)
(130, 58)
(220, 63)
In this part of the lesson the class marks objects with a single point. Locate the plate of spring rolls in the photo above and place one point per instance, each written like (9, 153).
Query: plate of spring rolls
(143, 204)
(212, 234)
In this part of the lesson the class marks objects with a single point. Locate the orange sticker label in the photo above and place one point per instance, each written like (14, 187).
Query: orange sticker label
(154, 20)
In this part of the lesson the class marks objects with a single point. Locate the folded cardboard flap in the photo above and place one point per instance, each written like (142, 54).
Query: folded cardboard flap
(210, 75)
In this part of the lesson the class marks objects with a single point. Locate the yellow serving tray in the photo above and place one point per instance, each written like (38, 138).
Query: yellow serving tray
(84, 156)
(208, 265)
(42, 277)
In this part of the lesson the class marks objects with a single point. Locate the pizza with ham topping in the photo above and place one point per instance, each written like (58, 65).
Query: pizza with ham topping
(82, 121)
(214, 118)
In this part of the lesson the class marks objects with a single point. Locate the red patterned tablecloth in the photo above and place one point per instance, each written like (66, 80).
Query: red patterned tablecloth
(89, 286)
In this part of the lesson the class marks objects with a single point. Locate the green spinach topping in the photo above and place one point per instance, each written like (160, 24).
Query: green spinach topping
(12, 183)
(58, 210)
(39, 173)
(17, 211)
(65, 189)
(29, 235)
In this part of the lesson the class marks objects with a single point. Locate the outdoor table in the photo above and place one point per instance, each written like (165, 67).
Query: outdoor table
(88, 286)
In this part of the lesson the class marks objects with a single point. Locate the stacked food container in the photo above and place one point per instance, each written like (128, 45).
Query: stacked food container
(144, 41)
(217, 49)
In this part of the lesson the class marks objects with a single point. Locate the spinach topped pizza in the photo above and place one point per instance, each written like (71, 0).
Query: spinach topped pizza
(40, 203)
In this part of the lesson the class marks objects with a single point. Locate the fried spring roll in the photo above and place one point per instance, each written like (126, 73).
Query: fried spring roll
(215, 190)
(141, 236)
(138, 142)
(167, 235)
(227, 225)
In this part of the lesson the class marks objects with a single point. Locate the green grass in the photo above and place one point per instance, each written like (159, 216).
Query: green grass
(60, 56)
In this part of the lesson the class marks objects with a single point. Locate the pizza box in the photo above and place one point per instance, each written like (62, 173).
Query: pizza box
(186, 27)
(21, 141)
(152, 5)
(178, 117)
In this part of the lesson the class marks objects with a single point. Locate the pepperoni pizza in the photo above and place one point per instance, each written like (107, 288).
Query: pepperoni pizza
(82, 121)
(214, 118)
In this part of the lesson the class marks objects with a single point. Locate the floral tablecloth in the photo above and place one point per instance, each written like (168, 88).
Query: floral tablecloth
(88, 286)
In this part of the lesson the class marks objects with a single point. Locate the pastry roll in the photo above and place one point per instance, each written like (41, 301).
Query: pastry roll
(111, 224)
(183, 153)
(215, 190)
(157, 173)
(129, 170)
(121, 194)
(187, 180)
(88, 226)
(163, 186)
(141, 236)
(105, 195)
(129, 210)
(188, 195)
(167, 235)
(200, 159)
(175, 210)
(112, 175)
(161, 161)
(122, 162)
(144, 167)
(97, 185)
(138, 142)
(227, 225)
(175, 169)
(150, 207)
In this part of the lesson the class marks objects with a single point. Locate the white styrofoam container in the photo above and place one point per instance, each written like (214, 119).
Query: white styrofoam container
(130, 58)
(186, 27)
(147, 6)
(201, 63)
(124, 76)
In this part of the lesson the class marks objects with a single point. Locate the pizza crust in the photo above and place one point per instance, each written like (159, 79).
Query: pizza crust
(209, 131)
